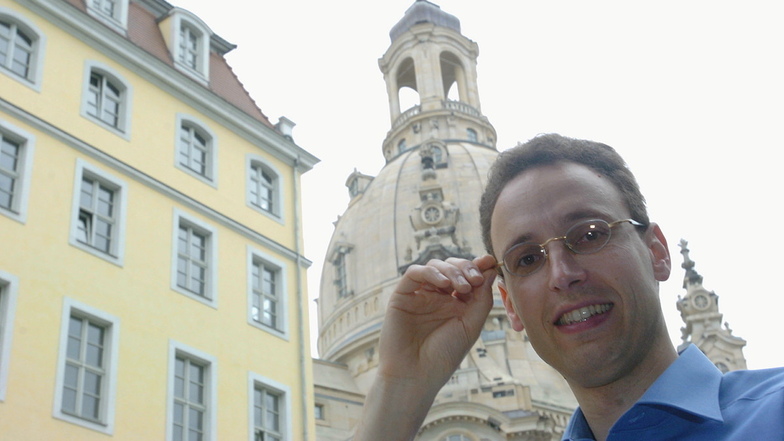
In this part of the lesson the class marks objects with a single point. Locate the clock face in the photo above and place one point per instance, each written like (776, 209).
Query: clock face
(701, 301)
(431, 214)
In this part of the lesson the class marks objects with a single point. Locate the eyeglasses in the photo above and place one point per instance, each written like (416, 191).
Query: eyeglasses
(586, 237)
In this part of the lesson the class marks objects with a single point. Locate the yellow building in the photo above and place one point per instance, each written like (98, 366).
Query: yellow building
(152, 285)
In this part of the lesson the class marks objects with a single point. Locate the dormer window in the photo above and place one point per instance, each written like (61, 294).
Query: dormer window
(188, 39)
(112, 12)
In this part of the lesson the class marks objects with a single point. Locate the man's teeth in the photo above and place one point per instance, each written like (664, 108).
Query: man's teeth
(583, 314)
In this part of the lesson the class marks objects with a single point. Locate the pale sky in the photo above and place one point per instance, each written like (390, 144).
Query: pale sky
(690, 93)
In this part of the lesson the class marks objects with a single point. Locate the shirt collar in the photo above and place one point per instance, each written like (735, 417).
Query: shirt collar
(691, 384)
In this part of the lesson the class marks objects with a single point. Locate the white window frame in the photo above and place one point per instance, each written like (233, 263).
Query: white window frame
(116, 254)
(211, 167)
(255, 257)
(23, 172)
(210, 297)
(252, 161)
(9, 290)
(210, 363)
(112, 325)
(123, 127)
(118, 20)
(259, 381)
(35, 73)
(203, 33)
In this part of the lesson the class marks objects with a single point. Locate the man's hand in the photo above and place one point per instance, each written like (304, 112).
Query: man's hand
(432, 320)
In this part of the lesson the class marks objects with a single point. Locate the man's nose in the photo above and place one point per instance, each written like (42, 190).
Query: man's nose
(563, 267)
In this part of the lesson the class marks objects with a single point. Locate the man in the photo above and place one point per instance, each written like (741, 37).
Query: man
(579, 264)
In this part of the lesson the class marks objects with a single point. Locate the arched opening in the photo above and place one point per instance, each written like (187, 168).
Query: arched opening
(452, 75)
(408, 95)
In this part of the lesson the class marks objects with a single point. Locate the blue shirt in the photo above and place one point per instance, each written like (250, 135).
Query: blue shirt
(692, 400)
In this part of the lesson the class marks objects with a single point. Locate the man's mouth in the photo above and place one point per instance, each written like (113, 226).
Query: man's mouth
(583, 314)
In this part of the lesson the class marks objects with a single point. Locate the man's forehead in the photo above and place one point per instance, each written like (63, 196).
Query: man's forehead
(554, 196)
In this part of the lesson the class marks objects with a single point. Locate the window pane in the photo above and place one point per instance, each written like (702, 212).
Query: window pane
(92, 383)
(9, 155)
(195, 419)
(71, 378)
(6, 191)
(90, 407)
(179, 414)
(69, 400)
(105, 201)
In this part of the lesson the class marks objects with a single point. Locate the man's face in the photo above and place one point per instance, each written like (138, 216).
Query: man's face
(612, 294)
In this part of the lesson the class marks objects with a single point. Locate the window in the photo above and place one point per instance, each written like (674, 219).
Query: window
(266, 410)
(189, 404)
(192, 395)
(266, 292)
(195, 149)
(97, 211)
(340, 274)
(471, 135)
(189, 43)
(21, 48)
(189, 53)
(8, 292)
(401, 146)
(16, 161)
(87, 367)
(106, 99)
(16, 49)
(264, 187)
(99, 208)
(339, 263)
(112, 12)
(195, 254)
(84, 369)
(319, 412)
(269, 409)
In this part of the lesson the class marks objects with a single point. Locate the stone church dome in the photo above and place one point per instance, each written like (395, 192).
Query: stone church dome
(412, 211)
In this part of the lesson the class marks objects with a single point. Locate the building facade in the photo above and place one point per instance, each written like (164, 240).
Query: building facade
(152, 283)
(423, 204)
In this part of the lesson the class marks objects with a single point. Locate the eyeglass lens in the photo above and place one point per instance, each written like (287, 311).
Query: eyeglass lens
(584, 238)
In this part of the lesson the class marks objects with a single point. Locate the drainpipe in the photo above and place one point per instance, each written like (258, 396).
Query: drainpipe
(304, 356)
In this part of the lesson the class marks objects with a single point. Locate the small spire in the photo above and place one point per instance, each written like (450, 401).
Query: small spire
(691, 277)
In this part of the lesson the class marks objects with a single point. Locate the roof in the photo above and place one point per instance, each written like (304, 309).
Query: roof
(143, 31)
(423, 11)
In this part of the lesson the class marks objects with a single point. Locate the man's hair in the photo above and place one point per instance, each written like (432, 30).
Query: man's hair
(550, 149)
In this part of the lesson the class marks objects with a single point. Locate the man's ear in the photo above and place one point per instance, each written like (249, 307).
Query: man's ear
(514, 319)
(660, 253)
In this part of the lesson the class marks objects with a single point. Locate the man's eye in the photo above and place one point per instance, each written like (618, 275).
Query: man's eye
(591, 236)
(528, 259)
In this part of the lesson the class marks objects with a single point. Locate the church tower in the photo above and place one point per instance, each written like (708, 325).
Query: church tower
(423, 204)
(700, 312)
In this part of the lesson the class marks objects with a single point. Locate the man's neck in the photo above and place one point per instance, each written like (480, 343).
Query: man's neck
(602, 406)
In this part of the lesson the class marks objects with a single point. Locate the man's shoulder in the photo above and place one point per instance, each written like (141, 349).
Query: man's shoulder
(751, 385)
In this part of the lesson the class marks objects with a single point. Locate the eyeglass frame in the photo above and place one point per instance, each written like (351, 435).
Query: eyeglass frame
(501, 263)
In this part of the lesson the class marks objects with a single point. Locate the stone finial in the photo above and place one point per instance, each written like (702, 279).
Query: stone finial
(691, 277)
